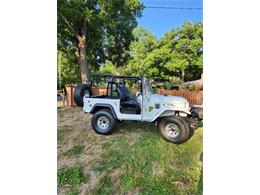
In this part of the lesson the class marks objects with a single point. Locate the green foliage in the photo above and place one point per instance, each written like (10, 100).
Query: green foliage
(144, 43)
(108, 31)
(109, 68)
(68, 70)
(175, 80)
(74, 151)
(71, 176)
(105, 25)
(186, 50)
(176, 55)
(168, 85)
(192, 87)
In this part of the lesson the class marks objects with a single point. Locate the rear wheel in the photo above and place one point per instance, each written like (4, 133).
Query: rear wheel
(174, 130)
(80, 91)
(103, 122)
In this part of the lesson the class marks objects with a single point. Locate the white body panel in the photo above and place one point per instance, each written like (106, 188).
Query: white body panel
(152, 107)
(115, 103)
(166, 105)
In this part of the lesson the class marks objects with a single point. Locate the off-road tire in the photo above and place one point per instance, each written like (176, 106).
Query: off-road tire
(183, 131)
(79, 93)
(186, 125)
(103, 114)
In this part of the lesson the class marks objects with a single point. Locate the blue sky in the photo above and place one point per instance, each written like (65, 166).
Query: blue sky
(159, 21)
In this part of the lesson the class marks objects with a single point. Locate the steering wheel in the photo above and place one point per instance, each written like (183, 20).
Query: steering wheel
(138, 94)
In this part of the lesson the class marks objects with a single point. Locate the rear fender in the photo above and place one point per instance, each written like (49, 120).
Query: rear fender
(99, 106)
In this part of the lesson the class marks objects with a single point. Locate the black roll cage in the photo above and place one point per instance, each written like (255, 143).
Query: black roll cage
(111, 79)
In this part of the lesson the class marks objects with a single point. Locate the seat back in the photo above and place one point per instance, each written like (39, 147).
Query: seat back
(122, 92)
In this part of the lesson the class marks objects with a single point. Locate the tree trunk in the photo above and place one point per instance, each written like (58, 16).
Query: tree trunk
(182, 75)
(83, 59)
(81, 48)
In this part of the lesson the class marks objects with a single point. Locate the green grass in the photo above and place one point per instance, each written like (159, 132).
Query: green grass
(152, 165)
(72, 191)
(128, 181)
(74, 151)
(133, 160)
(72, 176)
(200, 185)
(104, 187)
(62, 133)
(101, 166)
(106, 145)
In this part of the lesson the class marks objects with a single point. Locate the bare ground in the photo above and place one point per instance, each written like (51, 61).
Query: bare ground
(74, 126)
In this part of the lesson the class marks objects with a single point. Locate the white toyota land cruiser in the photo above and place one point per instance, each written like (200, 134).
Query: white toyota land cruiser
(117, 105)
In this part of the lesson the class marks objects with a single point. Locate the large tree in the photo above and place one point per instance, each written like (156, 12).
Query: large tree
(144, 43)
(185, 49)
(97, 30)
(177, 54)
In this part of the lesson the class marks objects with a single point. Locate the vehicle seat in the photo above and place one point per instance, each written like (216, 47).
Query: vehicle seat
(126, 100)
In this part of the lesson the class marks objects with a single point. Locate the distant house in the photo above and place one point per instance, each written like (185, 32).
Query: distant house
(196, 82)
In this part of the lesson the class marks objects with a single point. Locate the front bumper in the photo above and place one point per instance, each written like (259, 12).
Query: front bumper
(197, 112)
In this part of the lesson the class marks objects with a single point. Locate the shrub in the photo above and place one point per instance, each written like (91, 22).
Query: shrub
(175, 80)
(168, 85)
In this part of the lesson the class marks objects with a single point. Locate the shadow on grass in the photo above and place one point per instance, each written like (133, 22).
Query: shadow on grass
(198, 125)
(146, 127)
(137, 127)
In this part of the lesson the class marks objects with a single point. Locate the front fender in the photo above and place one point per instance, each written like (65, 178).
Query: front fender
(169, 109)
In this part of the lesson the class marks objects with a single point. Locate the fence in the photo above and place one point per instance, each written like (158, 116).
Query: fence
(99, 91)
(193, 97)
(103, 90)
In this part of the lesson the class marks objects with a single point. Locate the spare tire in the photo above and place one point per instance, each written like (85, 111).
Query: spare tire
(79, 93)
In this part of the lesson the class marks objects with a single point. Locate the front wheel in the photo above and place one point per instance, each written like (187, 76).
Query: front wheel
(103, 122)
(174, 130)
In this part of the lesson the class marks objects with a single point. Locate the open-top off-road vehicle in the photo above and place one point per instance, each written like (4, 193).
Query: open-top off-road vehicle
(118, 105)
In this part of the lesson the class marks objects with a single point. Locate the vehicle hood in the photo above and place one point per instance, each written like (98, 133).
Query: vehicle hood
(167, 99)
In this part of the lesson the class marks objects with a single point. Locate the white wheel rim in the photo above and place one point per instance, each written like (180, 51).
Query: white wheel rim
(103, 122)
(172, 130)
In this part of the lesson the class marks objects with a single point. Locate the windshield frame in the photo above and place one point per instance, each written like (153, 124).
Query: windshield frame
(147, 86)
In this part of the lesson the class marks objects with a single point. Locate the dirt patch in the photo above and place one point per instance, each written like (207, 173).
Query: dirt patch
(75, 127)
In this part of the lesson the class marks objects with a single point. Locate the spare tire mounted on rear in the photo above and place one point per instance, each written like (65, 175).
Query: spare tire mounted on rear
(80, 91)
